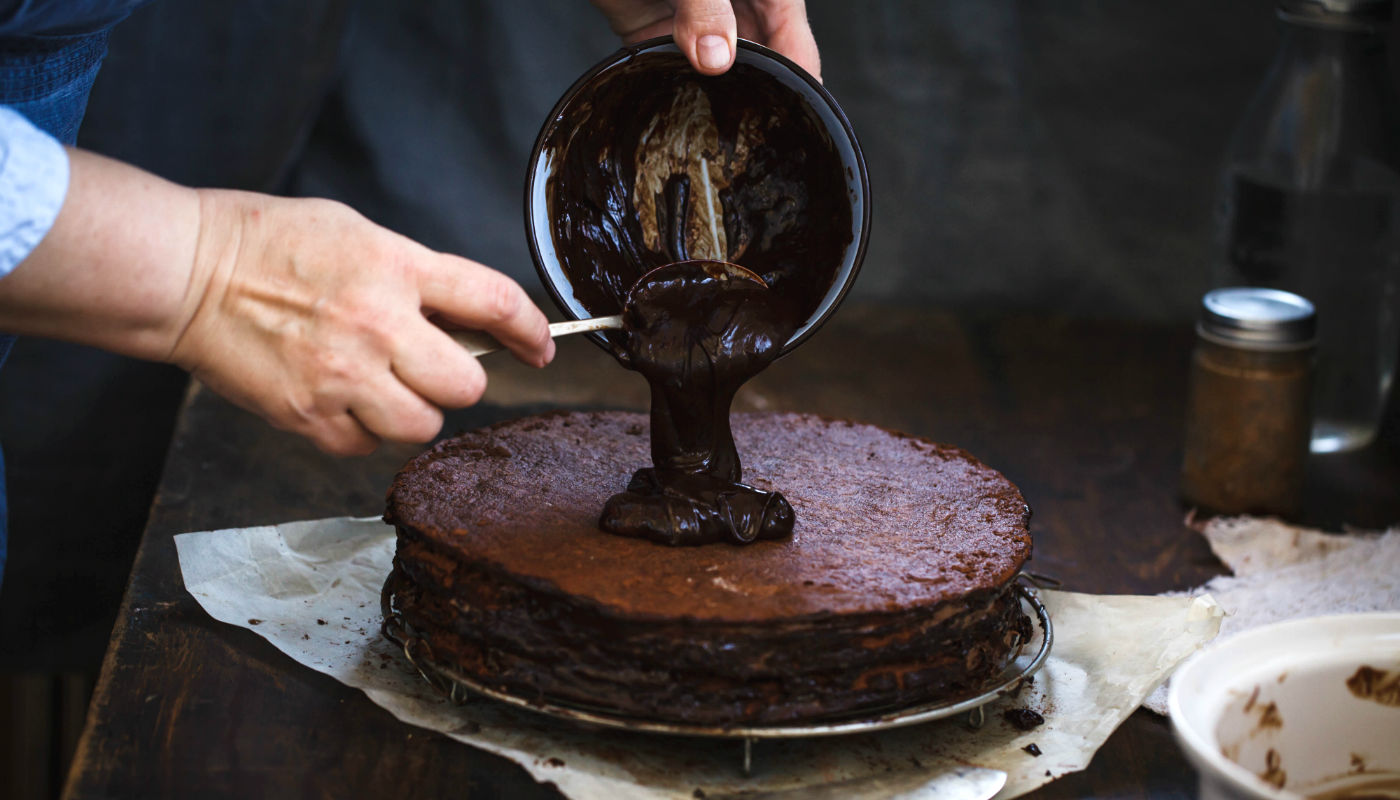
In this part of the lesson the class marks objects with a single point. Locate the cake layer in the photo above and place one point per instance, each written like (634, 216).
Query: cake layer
(894, 589)
(717, 674)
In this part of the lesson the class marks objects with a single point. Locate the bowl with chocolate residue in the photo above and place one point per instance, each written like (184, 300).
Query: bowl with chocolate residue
(1308, 708)
(644, 162)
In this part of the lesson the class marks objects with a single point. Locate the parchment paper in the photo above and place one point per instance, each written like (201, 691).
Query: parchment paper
(1286, 572)
(312, 590)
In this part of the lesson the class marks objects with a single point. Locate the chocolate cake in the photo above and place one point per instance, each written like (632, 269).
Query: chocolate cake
(894, 588)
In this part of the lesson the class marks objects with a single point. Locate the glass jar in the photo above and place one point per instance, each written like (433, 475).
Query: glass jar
(1248, 417)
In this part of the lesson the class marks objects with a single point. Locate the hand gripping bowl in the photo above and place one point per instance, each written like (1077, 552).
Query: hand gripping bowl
(645, 162)
(1308, 708)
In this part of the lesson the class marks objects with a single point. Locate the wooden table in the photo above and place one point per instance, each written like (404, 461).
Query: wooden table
(1084, 416)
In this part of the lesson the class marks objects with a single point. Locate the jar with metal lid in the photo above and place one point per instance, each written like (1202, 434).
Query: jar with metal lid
(1248, 417)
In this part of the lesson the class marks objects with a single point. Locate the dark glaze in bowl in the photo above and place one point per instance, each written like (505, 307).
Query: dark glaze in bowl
(645, 162)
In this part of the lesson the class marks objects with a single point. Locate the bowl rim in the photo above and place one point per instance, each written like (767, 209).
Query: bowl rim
(1192, 696)
(667, 43)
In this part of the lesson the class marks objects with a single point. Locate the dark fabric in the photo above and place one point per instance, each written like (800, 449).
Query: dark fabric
(216, 92)
(62, 17)
(6, 342)
(50, 53)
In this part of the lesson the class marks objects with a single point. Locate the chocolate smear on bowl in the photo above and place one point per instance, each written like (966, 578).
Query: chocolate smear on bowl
(1274, 773)
(1379, 685)
(1269, 716)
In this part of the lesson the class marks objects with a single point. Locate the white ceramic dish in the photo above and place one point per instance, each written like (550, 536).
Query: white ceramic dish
(1306, 708)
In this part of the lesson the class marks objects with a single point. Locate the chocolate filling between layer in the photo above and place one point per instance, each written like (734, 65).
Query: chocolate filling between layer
(822, 666)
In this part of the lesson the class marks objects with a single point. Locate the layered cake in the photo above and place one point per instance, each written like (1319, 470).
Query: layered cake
(759, 569)
(894, 587)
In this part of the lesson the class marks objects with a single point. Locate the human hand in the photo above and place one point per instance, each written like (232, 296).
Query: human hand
(705, 30)
(320, 321)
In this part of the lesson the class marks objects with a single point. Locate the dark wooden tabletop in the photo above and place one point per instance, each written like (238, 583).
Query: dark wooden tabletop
(1084, 416)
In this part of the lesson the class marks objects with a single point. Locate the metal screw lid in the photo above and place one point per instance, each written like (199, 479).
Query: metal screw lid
(1257, 317)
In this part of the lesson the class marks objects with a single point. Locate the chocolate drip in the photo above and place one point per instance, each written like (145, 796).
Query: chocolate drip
(697, 334)
(654, 165)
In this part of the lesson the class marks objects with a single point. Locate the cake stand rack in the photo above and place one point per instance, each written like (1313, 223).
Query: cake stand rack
(462, 689)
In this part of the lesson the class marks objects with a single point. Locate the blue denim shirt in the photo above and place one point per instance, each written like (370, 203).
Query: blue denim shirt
(50, 51)
(33, 183)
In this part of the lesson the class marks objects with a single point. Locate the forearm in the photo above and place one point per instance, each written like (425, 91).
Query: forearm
(299, 309)
(118, 268)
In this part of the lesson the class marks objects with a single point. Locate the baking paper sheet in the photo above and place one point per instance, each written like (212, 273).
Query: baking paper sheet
(1283, 572)
(312, 590)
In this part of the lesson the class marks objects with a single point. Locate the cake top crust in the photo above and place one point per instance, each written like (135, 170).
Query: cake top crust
(885, 521)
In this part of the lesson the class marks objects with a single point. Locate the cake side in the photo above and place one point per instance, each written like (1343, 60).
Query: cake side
(504, 636)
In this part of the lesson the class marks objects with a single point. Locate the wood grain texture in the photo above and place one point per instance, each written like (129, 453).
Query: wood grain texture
(1085, 417)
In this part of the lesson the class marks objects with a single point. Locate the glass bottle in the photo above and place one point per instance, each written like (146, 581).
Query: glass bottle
(1311, 203)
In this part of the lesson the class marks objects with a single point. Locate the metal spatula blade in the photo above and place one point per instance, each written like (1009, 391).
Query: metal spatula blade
(479, 343)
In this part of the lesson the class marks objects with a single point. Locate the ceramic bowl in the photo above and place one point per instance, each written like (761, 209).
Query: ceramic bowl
(784, 190)
(1306, 708)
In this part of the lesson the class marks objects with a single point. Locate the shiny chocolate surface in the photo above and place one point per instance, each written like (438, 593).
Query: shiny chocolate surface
(697, 332)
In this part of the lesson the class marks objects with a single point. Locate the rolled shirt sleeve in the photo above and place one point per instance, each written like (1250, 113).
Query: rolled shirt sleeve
(33, 184)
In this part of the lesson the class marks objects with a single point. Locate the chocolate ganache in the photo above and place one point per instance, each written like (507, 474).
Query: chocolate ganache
(654, 165)
(697, 331)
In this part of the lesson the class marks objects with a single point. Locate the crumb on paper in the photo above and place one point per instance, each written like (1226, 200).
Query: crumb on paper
(1033, 749)
(1023, 718)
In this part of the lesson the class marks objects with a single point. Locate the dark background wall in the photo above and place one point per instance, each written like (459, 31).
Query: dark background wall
(1036, 155)
(1023, 155)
